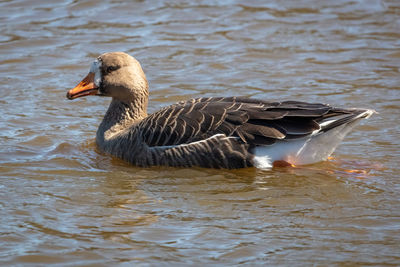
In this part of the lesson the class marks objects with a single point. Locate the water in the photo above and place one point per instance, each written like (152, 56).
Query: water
(64, 202)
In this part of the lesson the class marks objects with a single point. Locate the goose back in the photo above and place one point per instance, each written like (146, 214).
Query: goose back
(252, 121)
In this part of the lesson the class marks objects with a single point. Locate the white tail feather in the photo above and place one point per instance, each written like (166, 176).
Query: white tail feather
(311, 149)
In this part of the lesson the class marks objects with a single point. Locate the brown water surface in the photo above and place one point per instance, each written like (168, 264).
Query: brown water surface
(64, 202)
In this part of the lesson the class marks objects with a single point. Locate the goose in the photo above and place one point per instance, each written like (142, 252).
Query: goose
(213, 132)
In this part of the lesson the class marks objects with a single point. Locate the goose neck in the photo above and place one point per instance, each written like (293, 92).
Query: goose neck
(119, 116)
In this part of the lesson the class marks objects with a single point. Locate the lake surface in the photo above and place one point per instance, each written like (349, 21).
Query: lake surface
(63, 202)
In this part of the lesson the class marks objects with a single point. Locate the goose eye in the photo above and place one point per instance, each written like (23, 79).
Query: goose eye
(111, 68)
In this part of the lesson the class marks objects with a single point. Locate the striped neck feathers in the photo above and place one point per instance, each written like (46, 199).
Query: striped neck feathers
(120, 115)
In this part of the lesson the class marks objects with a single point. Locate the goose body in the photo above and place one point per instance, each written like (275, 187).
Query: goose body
(216, 132)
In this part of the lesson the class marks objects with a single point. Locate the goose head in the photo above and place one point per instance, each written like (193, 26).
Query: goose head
(115, 74)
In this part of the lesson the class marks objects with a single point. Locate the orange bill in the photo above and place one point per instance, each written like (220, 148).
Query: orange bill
(84, 88)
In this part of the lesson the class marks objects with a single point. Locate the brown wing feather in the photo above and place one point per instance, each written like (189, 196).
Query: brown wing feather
(252, 121)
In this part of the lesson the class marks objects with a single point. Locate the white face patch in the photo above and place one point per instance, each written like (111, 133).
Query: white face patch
(95, 68)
